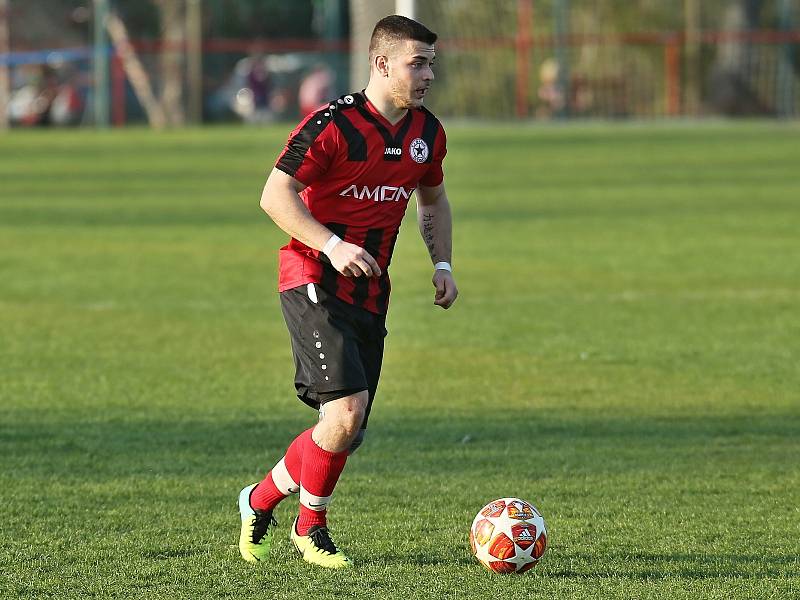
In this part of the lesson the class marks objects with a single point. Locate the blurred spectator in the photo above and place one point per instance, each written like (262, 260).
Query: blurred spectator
(67, 107)
(550, 92)
(30, 104)
(261, 88)
(555, 101)
(316, 89)
(260, 83)
(253, 90)
(41, 99)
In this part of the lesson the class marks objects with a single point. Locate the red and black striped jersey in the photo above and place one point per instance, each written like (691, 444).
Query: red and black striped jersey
(360, 172)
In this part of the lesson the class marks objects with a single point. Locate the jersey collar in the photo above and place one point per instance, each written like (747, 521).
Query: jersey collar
(362, 100)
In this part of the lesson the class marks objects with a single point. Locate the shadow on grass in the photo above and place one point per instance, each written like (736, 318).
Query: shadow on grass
(421, 559)
(706, 559)
(656, 566)
(644, 566)
(168, 554)
(97, 450)
(154, 466)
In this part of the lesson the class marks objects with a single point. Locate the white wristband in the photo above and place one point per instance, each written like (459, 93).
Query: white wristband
(331, 244)
(442, 266)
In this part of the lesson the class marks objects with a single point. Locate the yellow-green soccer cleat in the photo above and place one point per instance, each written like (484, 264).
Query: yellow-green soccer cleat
(318, 548)
(257, 525)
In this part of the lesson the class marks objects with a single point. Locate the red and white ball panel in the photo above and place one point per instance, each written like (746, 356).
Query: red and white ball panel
(508, 535)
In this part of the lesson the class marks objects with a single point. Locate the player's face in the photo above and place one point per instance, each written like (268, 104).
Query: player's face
(411, 73)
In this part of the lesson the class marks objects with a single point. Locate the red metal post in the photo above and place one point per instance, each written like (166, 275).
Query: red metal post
(522, 46)
(118, 113)
(672, 75)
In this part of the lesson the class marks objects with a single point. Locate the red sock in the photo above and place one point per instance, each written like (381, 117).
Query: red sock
(320, 472)
(284, 479)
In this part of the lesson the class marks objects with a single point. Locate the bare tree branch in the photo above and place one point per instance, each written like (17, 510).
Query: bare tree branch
(135, 72)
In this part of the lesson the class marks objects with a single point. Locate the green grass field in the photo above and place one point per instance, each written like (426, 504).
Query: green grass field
(625, 354)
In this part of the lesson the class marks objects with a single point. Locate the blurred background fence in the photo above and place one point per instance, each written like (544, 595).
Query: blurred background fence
(171, 62)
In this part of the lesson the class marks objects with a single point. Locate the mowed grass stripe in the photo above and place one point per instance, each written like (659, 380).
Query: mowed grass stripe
(624, 355)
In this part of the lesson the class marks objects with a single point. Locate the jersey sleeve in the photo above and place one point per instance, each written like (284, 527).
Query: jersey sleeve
(435, 175)
(310, 149)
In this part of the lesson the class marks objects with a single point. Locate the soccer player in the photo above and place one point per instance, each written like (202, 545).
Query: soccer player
(340, 189)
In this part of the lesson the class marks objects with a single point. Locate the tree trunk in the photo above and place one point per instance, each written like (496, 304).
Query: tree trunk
(692, 29)
(173, 41)
(194, 59)
(135, 72)
(363, 16)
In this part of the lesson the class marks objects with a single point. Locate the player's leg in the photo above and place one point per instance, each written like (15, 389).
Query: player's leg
(324, 458)
(328, 370)
(344, 421)
(323, 461)
(340, 421)
(330, 433)
(257, 501)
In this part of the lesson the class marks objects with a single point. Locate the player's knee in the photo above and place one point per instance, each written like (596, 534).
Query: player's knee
(357, 407)
(352, 421)
(359, 439)
(350, 412)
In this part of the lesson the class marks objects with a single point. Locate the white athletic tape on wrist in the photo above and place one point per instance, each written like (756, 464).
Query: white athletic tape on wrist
(442, 266)
(313, 502)
(330, 244)
(282, 480)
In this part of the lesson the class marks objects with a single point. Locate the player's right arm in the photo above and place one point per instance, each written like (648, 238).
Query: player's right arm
(281, 200)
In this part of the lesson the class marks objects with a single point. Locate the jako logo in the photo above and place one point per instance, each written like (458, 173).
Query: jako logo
(394, 151)
(380, 193)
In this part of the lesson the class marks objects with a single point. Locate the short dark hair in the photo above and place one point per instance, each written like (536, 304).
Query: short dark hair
(396, 28)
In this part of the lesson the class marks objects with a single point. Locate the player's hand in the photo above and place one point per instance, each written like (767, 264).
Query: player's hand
(446, 290)
(353, 261)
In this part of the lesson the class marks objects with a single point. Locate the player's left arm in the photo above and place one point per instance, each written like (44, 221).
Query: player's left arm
(436, 226)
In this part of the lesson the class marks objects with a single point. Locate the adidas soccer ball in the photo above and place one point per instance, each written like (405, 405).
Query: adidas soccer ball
(508, 536)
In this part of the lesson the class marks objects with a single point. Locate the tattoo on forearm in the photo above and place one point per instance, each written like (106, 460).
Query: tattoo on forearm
(427, 234)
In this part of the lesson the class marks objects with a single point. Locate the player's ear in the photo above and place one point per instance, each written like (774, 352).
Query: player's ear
(382, 65)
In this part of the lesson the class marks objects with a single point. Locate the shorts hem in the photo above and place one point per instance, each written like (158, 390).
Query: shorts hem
(321, 398)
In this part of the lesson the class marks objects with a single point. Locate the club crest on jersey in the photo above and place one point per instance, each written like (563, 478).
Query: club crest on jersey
(379, 193)
(418, 150)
